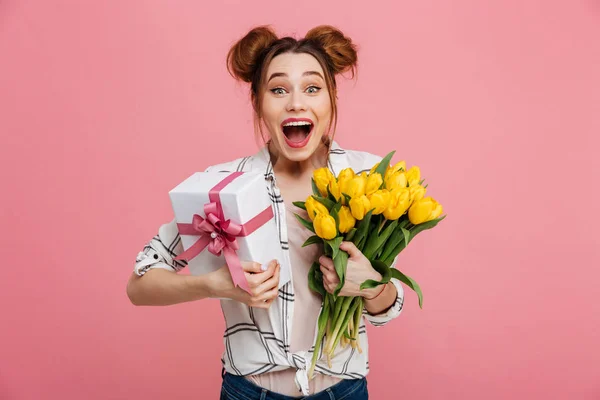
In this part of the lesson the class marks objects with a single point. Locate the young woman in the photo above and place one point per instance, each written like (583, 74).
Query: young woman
(269, 340)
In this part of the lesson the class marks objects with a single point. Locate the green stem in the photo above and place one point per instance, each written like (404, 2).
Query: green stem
(323, 317)
(357, 317)
(338, 322)
(344, 326)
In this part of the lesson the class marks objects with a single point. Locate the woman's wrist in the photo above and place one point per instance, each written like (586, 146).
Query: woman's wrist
(368, 294)
(217, 284)
(200, 285)
(374, 292)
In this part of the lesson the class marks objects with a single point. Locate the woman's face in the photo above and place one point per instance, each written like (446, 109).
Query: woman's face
(296, 106)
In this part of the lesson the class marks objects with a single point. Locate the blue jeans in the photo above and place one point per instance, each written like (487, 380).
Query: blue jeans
(239, 388)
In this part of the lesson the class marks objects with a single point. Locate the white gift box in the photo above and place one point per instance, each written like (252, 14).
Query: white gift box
(241, 200)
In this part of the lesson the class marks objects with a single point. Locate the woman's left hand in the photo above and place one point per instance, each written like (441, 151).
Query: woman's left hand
(359, 269)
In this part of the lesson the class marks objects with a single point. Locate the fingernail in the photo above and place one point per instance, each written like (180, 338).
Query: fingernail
(264, 267)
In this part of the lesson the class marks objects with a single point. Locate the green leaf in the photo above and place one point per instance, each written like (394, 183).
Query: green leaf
(350, 234)
(315, 279)
(411, 283)
(384, 164)
(363, 228)
(312, 240)
(325, 201)
(406, 234)
(399, 247)
(315, 189)
(340, 262)
(307, 224)
(348, 198)
(425, 225)
(386, 235)
(334, 244)
(395, 238)
(383, 237)
(299, 204)
(337, 207)
(384, 270)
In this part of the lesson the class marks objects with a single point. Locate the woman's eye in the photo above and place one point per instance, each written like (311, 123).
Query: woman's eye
(313, 89)
(278, 91)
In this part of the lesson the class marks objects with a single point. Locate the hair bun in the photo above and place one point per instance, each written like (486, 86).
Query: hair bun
(339, 48)
(242, 57)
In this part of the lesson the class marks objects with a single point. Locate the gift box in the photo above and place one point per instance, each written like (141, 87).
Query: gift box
(224, 218)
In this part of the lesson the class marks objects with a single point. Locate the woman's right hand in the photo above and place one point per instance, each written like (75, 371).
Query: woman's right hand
(264, 285)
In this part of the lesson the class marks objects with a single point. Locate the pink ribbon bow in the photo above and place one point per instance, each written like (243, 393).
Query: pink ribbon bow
(220, 235)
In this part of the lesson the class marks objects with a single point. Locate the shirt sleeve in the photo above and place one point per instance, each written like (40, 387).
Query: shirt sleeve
(161, 250)
(393, 312)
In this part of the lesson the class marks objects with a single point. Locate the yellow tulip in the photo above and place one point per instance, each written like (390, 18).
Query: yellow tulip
(347, 221)
(344, 178)
(334, 189)
(399, 203)
(424, 210)
(379, 201)
(322, 177)
(357, 185)
(417, 192)
(374, 168)
(374, 181)
(413, 175)
(313, 207)
(399, 166)
(325, 226)
(396, 180)
(359, 206)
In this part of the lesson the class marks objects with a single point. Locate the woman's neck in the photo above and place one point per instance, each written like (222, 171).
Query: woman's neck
(289, 168)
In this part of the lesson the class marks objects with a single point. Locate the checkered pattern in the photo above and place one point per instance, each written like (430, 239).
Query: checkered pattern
(256, 340)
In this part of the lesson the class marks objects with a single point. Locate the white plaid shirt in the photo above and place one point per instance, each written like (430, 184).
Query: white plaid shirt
(258, 340)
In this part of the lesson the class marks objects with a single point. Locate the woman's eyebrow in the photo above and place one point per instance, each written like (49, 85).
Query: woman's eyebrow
(283, 74)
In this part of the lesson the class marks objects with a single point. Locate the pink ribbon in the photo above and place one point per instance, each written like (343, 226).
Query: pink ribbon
(219, 235)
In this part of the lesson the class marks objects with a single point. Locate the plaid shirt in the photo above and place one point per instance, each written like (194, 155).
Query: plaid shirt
(257, 340)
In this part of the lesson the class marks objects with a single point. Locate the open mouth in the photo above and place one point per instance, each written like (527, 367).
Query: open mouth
(297, 131)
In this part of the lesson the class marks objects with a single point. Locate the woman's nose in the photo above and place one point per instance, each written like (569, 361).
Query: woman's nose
(296, 102)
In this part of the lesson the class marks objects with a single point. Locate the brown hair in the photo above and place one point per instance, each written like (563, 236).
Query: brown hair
(250, 57)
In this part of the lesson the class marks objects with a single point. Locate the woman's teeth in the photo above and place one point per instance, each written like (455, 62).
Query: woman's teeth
(300, 123)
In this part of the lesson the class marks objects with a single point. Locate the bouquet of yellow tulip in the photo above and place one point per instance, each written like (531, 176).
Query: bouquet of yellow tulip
(380, 212)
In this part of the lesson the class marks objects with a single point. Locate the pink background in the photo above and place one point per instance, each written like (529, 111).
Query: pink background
(106, 106)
